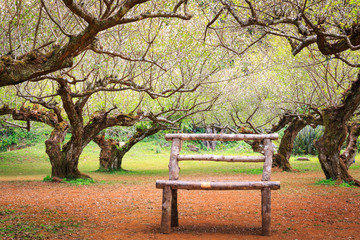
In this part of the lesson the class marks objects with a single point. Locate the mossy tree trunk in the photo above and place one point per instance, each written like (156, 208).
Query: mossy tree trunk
(139, 135)
(329, 145)
(282, 157)
(108, 154)
(112, 154)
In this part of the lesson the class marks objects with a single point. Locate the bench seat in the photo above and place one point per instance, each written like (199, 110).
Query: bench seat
(203, 185)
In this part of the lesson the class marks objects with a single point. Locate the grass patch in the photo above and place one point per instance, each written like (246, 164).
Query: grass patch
(79, 181)
(22, 225)
(354, 166)
(256, 171)
(332, 182)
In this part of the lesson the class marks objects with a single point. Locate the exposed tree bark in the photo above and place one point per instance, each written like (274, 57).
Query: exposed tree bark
(348, 156)
(335, 132)
(282, 157)
(112, 153)
(295, 123)
(64, 159)
(64, 164)
(256, 145)
(139, 135)
(109, 159)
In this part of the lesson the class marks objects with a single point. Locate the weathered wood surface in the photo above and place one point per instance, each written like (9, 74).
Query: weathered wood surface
(173, 164)
(166, 211)
(174, 175)
(266, 211)
(199, 185)
(268, 152)
(174, 209)
(218, 158)
(170, 187)
(221, 137)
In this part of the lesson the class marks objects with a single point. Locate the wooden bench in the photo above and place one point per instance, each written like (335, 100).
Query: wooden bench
(169, 216)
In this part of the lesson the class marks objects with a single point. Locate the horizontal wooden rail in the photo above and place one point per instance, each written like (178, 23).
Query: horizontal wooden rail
(220, 137)
(195, 185)
(217, 158)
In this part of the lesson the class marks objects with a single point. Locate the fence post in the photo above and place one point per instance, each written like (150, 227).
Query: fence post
(266, 192)
(174, 175)
(166, 210)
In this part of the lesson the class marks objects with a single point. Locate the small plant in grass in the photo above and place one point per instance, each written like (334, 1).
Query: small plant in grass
(332, 182)
(22, 225)
(47, 179)
(79, 181)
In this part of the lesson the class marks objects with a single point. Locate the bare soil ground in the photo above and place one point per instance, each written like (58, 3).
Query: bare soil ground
(129, 207)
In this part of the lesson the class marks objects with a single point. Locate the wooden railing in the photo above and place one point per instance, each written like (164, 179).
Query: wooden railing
(169, 203)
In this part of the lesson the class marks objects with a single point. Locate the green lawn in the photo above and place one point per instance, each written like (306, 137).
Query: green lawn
(146, 158)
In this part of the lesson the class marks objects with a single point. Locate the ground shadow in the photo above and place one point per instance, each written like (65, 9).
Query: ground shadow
(211, 228)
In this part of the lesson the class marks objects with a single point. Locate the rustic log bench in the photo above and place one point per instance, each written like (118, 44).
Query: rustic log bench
(169, 216)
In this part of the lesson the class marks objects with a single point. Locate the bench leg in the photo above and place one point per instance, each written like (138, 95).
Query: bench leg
(174, 209)
(166, 210)
(266, 211)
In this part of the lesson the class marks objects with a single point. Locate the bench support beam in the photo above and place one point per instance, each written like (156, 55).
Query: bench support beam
(174, 209)
(266, 211)
(166, 210)
(169, 217)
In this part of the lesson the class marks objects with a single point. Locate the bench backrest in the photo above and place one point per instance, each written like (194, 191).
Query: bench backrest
(178, 138)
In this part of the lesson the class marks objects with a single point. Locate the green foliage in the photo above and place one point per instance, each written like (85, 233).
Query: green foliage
(332, 182)
(304, 141)
(186, 126)
(11, 136)
(143, 125)
(79, 181)
(47, 179)
(119, 133)
(157, 138)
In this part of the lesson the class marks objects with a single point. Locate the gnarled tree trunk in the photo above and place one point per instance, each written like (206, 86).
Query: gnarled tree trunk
(329, 145)
(109, 157)
(64, 161)
(139, 135)
(112, 154)
(335, 132)
(282, 157)
(348, 156)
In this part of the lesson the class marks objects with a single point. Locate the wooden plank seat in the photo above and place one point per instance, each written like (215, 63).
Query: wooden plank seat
(169, 216)
(202, 185)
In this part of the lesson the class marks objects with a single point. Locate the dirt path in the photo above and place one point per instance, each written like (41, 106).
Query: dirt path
(129, 208)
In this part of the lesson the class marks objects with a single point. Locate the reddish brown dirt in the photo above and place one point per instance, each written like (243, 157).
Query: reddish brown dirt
(129, 208)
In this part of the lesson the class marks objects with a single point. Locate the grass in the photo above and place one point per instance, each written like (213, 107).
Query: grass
(20, 224)
(145, 158)
(332, 182)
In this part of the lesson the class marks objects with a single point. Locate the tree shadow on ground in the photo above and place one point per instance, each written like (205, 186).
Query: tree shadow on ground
(230, 229)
